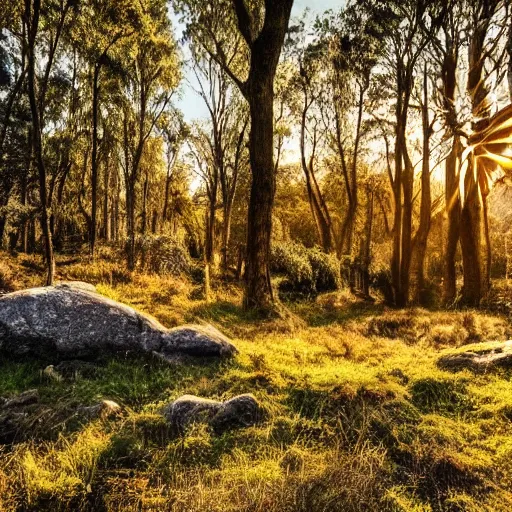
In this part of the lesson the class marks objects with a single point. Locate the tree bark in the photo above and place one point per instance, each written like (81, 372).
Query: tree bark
(32, 11)
(476, 283)
(419, 246)
(320, 215)
(259, 92)
(453, 212)
(258, 293)
(471, 240)
(94, 160)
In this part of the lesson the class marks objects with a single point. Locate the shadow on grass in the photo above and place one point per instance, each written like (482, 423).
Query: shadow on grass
(321, 313)
(318, 314)
(133, 380)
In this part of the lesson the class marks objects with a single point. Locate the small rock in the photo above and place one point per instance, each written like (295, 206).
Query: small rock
(104, 409)
(240, 411)
(26, 398)
(50, 373)
(479, 361)
(189, 409)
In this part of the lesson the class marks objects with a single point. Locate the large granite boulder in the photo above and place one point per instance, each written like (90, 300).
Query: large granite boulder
(71, 321)
(240, 411)
(479, 360)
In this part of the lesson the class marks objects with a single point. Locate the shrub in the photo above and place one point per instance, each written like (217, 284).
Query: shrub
(161, 255)
(308, 271)
(292, 260)
(326, 270)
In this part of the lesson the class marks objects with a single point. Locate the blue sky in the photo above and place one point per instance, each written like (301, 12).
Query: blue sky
(192, 105)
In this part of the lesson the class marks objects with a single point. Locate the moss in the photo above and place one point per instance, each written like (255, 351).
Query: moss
(449, 396)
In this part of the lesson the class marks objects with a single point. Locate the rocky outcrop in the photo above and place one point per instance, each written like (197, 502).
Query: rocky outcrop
(72, 321)
(479, 361)
(240, 411)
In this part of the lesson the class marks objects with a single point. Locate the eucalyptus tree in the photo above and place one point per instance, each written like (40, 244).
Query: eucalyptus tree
(174, 132)
(226, 136)
(406, 29)
(354, 46)
(42, 23)
(446, 52)
(488, 22)
(236, 164)
(101, 26)
(201, 144)
(420, 238)
(246, 40)
(308, 105)
(151, 76)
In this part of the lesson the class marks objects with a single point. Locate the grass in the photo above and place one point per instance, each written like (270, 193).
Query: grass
(359, 416)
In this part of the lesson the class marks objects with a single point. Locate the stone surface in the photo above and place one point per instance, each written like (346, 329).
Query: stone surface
(190, 409)
(104, 409)
(71, 321)
(240, 411)
(16, 413)
(479, 361)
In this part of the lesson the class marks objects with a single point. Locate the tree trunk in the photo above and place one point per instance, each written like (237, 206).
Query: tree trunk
(130, 223)
(397, 222)
(226, 233)
(366, 244)
(259, 92)
(471, 240)
(320, 215)
(209, 246)
(354, 203)
(32, 19)
(407, 211)
(106, 232)
(94, 160)
(476, 282)
(209, 242)
(453, 211)
(114, 216)
(419, 246)
(258, 293)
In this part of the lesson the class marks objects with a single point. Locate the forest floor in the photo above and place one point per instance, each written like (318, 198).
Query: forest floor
(360, 418)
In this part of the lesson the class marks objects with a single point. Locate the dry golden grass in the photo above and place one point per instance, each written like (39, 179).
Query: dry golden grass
(359, 416)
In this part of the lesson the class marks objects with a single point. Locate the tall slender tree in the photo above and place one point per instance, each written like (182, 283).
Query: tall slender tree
(260, 30)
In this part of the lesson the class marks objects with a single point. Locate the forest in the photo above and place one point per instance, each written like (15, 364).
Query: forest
(255, 255)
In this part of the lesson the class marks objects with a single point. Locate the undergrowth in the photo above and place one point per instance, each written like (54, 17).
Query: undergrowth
(359, 416)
